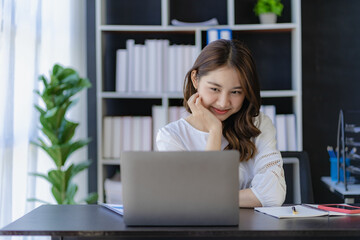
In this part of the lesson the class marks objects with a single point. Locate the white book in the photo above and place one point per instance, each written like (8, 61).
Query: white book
(187, 63)
(107, 137)
(150, 45)
(159, 65)
(136, 134)
(195, 54)
(137, 68)
(146, 134)
(212, 35)
(130, 43)
(281, 132)
(291, 132)
(117, 137)
(159, 120)
(144, 70)
(121, 70)
(113, 191)
(171, 77)
(128, 135)
(165, 64)
(225, 34)
(179, 56)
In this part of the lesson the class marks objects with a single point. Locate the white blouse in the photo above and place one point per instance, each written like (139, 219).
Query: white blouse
(263, 173)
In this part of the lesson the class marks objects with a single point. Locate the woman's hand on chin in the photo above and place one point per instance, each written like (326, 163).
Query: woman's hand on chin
(201, 117)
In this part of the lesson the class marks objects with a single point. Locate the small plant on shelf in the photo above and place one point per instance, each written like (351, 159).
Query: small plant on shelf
(57, 142)
(268, 10)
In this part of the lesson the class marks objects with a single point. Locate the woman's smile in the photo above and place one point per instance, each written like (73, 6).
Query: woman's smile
(219, 111)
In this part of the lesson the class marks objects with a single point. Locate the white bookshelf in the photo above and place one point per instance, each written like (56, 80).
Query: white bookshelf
(295, 93)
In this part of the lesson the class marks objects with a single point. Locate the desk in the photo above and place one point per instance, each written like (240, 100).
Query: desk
(97, 222)
(349, 196)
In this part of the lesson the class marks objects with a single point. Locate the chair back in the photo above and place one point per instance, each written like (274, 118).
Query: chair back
(297, 177)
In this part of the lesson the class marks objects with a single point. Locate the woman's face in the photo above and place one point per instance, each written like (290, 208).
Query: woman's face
(220, 91)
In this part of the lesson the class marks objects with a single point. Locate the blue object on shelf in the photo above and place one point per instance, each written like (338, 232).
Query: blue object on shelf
(333, 169)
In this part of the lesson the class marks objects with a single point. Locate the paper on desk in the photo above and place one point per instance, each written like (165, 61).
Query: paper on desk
(287, 212)
(119, 209)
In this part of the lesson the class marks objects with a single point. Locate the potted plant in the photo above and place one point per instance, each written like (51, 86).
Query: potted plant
(268, 10)
(57, 142)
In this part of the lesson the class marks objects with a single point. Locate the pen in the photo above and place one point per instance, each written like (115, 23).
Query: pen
(331, 152)
(294, 210)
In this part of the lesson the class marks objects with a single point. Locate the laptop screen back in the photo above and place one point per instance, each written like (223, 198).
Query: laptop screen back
(180, 188)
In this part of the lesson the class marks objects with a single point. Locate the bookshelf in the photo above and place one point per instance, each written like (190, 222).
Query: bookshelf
(276, 49)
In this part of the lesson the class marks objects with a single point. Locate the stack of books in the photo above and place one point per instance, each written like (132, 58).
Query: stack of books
(154, 67)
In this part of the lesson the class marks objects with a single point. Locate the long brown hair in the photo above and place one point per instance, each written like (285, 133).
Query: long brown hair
(239, 128)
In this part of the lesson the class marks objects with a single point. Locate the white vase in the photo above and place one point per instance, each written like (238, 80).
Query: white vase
(267, 18)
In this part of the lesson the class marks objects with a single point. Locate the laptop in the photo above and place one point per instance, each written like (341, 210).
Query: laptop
(180, 188)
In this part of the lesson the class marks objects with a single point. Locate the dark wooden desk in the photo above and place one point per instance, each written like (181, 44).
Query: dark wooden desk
(97, 222)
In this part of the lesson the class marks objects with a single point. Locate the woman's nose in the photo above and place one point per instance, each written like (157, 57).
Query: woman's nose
(224, 100)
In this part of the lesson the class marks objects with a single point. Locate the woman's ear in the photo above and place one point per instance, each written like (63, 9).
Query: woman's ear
(194, 79)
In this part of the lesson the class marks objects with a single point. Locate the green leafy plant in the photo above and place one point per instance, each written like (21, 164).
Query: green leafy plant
(268, 6)
(57, 141)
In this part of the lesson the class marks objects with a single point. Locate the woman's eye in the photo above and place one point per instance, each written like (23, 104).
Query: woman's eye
(214, 89)
(236, 92)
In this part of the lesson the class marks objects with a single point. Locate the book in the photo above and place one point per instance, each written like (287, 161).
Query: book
(121, 70)
(107, 137)
(130, 44)
(116, 142)
(302, 211)
(117, 208)
(291, 132)
(281, 132)
(225, 34)
(212, 35)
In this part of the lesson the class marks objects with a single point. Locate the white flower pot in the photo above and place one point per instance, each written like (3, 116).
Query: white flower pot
(267, 18)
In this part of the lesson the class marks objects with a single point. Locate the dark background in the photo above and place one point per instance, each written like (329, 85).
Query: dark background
(330, 75)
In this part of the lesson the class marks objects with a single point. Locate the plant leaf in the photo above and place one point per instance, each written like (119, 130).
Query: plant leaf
(68, 148)
(92, 198)
(70, 193)
(67, 131)
(80, 167)
(37, 200)
(57, 69)
(57, 195)
(54, 152)
(40, 175)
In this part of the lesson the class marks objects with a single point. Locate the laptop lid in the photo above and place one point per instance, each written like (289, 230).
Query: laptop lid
(180, 188)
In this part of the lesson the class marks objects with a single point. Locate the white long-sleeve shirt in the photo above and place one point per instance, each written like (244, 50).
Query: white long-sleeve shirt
(263, 173)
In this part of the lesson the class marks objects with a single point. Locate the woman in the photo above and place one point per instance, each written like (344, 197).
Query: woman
(222, 93)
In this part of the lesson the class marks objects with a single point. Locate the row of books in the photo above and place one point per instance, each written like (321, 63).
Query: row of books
(153, 67)
(126, 133)
(285, 124)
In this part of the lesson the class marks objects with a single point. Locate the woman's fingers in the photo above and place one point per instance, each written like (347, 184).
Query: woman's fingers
(192, 101)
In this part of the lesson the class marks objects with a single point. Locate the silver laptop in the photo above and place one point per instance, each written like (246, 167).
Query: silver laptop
(180, 188)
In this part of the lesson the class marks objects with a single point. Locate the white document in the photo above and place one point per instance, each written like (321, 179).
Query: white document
(287, 212)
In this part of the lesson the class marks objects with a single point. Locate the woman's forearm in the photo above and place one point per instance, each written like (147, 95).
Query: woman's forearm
(214, 140)
(247, 199)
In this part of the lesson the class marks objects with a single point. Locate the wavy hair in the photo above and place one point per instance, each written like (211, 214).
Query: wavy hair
(239, 128)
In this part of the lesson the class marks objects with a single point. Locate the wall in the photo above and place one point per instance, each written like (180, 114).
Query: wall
(331, 69)
(331, 79)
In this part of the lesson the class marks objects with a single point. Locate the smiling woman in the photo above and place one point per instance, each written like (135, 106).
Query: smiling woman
(222, 93)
